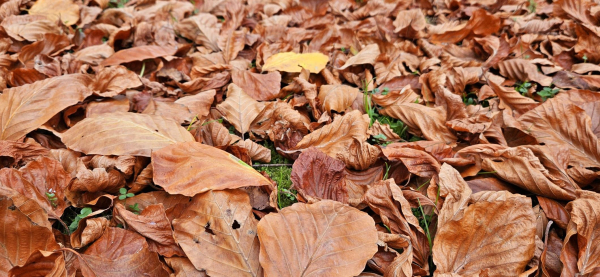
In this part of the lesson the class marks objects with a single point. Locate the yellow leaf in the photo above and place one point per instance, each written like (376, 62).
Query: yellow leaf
(293, 62)
(66, 10)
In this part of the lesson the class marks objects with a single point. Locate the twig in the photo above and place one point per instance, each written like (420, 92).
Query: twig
(267, 165)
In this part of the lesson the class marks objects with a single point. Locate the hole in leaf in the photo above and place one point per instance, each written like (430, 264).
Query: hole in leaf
(235, 225)
(207, 228)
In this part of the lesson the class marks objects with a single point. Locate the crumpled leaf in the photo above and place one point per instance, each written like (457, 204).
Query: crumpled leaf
(41, 262)
(111, 81)
(13, 153)
(124, 134)
(316, 175)
(481, 24)
(27, 107)
(204, 166)
(584, 226)
(316, 248)
(386, 199)
(367, 55)
(218, 233)
(20, 237)
(293, 62)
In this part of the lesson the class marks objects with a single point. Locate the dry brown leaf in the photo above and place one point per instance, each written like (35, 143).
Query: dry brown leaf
(218, 233)
(337, 97)
(316, 175)
(256, 151)
(88, 231)
(27, 107)
(555, 211)
(513, 100)
(261, 87)
(111, 81)
(557, 123)
(202, 29)
(339, 241)
(123, 253)
(367, 55)
(199, 104)
(496, 237)
(584, 226)
(422, 121)
(152, 223)
(139, 53)
(20, 237)
(205, 168)
(481, 24)
(416, 161)
(29, 27)
(523, 70)
(239, 108)
(65, 11)
(14, 153)
(386, 199)
(130, 134)
(184, 268)
(41, 263)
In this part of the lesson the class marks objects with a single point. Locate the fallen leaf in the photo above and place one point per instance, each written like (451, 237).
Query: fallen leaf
(339, 241)
(195, 156)
(316, 175)
(218, 233)
(120, 252)
(48, 263)
(64, 10)
(496, 237)
(337, 97)
(130, 134)
(139, 53)
(25, 108)
(261, 87)
(20, 237)
(293, 62)
(584, 226)
(111, 81)
(367, 55)
(239, 109)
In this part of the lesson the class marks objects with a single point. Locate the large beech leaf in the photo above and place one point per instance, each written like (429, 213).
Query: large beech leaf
(217, 231)
(67, 11)
(27, 107)
(497, 236)
(206, 168)
(124, 134)
(558, 122)
(327, 238)
(584, 231)
(20, 237)
(239, 108)
(422, 121)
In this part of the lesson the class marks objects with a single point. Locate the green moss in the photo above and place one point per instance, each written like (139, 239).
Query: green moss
(281, 175)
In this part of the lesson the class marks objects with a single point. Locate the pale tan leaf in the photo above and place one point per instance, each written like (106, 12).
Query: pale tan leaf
(337, 97)
(25, 108)
(139, 53)
(199, 104)
(202, 29)
(261, 87)
(66, 11)
(523, 70)
(218, 233)
(124, 134)
(207, 168)
(367, 55)
(29, 27)
(338, 240)
(256, 151)
(239, 109)
(513, 100)
(111, 81)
